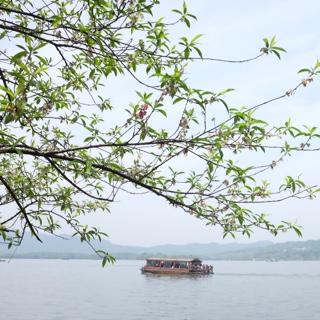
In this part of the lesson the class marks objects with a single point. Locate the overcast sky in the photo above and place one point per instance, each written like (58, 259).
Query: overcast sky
(234, 29)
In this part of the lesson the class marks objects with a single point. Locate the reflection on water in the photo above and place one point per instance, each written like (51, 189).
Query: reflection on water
(69, 289)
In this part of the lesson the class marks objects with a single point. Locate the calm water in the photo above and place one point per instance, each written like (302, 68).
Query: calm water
(59, 289)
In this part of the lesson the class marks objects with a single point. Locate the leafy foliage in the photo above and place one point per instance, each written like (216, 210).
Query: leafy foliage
(62, 156)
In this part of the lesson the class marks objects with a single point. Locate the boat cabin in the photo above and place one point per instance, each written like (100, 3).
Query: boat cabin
(176, 266)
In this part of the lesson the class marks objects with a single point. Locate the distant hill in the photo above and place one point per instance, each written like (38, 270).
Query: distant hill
(57, 247)
(66, 244)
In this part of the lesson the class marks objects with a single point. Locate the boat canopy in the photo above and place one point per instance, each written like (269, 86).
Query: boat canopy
(175, 259)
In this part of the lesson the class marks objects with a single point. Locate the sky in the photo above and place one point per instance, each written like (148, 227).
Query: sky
(234, 30)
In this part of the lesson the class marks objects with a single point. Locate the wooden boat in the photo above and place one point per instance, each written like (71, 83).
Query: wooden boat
(176, 266)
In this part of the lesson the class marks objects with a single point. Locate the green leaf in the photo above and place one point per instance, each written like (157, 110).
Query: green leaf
(276, 53)
(56, 22)
(273, 41)
(266, 41)
(199, 52)
(23, 67)
(304, 70)
(186, 53)
(225, 91)
(4, 235)
(176, 11)
(3, 34)
(88, 166)
(185, 9)
(224, 103)
(88, 139)
(240, 219)
(197, 37)
(162, 112)
(7, 90)
(18, 56)
(297, 231)
(8, 118)
(220, 152)
(187, 21)
(279, 49)
(40, 70)
(41, 45)
(178, 100)
(192, 16)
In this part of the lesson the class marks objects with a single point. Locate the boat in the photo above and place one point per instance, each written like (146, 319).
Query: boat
(271, 260)
(176, 266)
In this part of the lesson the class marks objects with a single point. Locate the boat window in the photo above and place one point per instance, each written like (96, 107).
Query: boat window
(183, 265)
(168, 264)
(153, 263)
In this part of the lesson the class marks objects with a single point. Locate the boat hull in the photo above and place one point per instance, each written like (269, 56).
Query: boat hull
(174, 271)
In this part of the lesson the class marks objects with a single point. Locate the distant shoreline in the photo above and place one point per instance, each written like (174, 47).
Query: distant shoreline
(56, 248)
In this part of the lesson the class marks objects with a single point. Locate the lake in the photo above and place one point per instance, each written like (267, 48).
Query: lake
(82, 289)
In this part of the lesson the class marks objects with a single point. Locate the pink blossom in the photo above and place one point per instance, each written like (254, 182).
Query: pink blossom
(142, 111)
(141, 114)
(144, 107)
